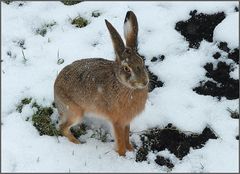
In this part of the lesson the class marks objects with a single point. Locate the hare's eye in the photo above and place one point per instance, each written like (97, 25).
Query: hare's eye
(126, 69)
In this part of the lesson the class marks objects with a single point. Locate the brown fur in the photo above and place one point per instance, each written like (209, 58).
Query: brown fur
(98, 86)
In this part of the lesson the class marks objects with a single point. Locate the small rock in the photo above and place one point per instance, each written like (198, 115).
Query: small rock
(141, 154)
(164, 162)
(60, 61)
(234, 55)
(96, 13)
(223, 46)
(162, 57)
(209, 67)
(192, 13)
(158, 58)
(216, 55)
(154, 59)
(236, 9)
(169, 125)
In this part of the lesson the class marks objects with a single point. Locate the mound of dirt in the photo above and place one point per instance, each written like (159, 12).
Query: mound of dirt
(223, 86)
(234, 55)
(154, 82)
(220, 84)
(177, 142)
(199, 26)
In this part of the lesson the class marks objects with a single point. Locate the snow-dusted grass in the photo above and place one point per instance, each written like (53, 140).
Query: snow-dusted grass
(31, 72)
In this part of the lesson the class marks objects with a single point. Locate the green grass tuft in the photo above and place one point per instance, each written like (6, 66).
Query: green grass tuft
(23, 102)
(42, 121)
(80, 130)
(79, 22)
(100, 134)
(44, 28)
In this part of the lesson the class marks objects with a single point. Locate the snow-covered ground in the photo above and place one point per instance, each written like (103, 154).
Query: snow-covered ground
(24, 150)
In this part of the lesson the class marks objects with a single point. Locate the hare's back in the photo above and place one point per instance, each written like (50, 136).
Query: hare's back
(84, 75)
(91, 70)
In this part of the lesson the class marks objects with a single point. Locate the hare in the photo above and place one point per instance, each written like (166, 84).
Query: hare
(116, 90)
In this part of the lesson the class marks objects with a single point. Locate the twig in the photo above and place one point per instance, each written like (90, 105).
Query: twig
(24, 58)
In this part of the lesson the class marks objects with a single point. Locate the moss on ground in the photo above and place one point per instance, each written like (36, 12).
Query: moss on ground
(79, 22)
(80, 130)
(42, 121)
(44, 28)
(23, 102)
(100, 134)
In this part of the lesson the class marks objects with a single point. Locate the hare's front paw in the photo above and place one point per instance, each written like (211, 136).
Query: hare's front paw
(129, 147)
(121, 152)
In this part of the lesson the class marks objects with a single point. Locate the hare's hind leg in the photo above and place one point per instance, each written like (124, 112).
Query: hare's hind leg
(66, 126)
(70, 118)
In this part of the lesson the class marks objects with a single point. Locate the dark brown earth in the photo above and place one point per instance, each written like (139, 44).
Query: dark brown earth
(199, 26)
(155, 82)
(177, 142)
(220, 84)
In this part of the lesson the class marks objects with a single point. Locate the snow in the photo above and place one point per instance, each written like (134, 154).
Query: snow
(229, 25)
(23, 150)
(235, 73)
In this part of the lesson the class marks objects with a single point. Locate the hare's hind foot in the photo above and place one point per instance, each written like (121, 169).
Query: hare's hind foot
(65, 130)
(74, 140)
(70, 121)
(70, 115)
(67, 133)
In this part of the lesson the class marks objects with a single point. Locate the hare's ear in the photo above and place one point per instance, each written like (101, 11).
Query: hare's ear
(131, 29)
(116, 39)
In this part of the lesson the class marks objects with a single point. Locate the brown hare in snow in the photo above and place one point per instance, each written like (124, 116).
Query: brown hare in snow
(116, 90)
